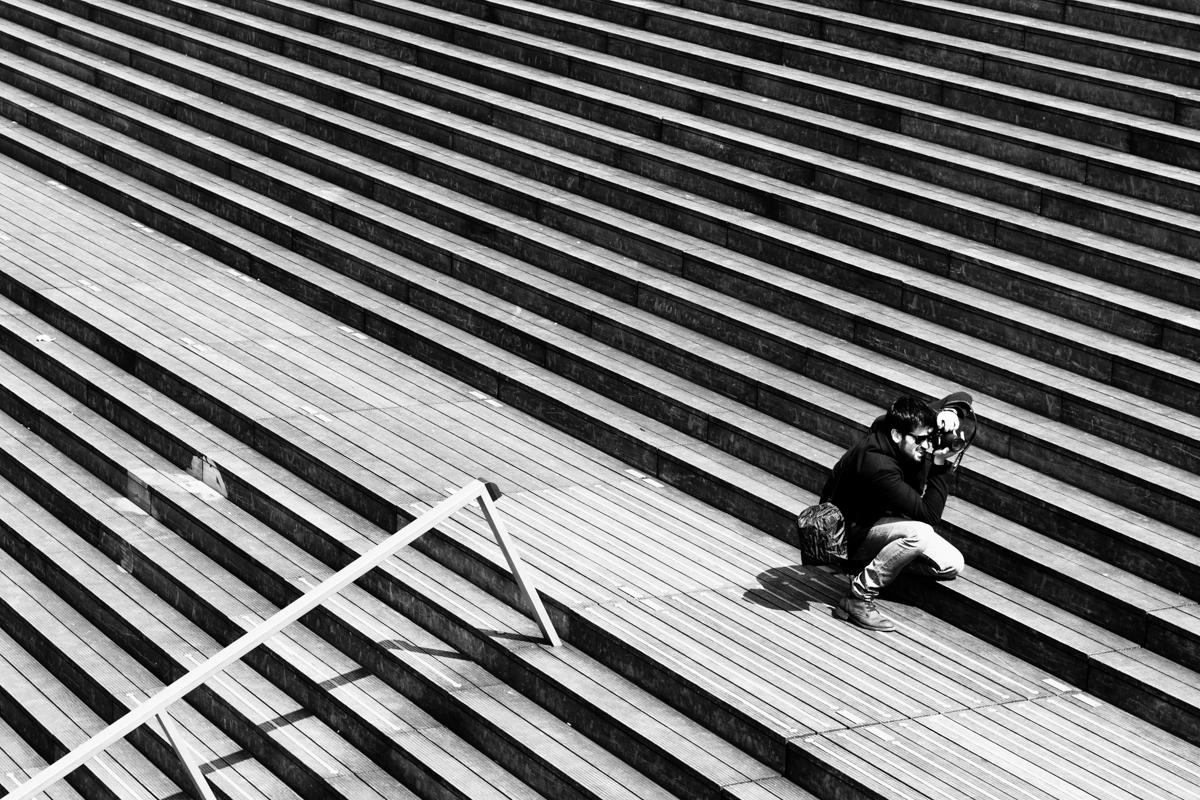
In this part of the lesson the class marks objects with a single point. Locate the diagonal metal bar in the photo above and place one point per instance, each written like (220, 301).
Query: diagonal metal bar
(204, 791)
(487, 503)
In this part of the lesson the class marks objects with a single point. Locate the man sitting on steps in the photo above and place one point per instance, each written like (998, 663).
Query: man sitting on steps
(891, 488)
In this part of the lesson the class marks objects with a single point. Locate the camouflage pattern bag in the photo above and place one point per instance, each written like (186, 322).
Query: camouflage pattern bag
(822, 534)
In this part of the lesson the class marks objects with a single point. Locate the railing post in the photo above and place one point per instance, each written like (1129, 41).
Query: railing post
(487, 503)
(203, 790)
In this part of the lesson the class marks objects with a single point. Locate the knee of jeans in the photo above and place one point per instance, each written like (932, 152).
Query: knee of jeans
(953, 568)
(918, 535)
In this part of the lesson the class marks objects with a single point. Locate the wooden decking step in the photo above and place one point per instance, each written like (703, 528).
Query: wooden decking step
(19, 762)
(838, 44)
(619, 48)
(312, 430)
(999, 358)
(1180, 516)
(425, 668)
(1145, 320)
(1073, 526)
(1129, 55)
(54, 721)
(73, 681)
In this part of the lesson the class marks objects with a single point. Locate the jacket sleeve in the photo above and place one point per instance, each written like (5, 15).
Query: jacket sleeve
(885, 481)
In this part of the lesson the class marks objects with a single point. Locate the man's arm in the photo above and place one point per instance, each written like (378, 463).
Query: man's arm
(885, 481)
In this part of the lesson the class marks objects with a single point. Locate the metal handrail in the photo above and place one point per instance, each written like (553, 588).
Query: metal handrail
(485, 493)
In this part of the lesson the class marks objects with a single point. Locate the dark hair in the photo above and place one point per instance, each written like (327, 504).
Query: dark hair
(908, 414)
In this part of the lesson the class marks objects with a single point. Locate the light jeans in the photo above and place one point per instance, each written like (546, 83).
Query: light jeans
(893, 544)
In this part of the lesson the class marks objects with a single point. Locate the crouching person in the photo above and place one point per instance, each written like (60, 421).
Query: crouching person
(891, 488)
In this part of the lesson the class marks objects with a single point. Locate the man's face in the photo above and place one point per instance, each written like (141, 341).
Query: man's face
(914, 446)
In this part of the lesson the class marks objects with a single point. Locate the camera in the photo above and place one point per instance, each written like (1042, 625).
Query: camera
(949, 434)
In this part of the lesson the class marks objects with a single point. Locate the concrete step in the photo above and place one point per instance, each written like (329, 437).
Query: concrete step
(838, 20)
(708, 472)
(77, 681)
(1064, 293)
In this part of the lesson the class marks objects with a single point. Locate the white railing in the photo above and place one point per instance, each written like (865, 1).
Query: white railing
(486, 494)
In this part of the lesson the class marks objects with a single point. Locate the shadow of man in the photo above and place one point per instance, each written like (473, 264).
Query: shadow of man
(794, 588)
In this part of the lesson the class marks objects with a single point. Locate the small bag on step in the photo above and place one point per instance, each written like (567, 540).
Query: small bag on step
(822, 534)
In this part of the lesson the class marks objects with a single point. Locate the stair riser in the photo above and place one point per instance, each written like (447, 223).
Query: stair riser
(1134, 697)
(1026, 574)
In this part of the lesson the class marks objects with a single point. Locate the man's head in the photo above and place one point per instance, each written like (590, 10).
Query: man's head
(911, 424)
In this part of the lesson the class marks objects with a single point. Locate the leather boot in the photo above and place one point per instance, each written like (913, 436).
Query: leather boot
(863, 613)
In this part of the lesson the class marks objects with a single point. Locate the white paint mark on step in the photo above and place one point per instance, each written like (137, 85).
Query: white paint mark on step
(850, 715)
(882, 734)
(45, 339)
(632, 592)
(315, 413)
(636, 474)
(192, 344)
(1091, 701)
(654, 483)
(352, 332)
(1062, 687)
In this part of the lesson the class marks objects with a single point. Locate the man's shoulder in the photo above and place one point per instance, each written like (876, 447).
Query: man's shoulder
(876, 461)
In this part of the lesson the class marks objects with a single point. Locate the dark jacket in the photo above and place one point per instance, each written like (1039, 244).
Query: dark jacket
(874, 479)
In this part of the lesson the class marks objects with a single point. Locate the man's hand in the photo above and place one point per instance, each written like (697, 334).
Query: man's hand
(941, 457)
